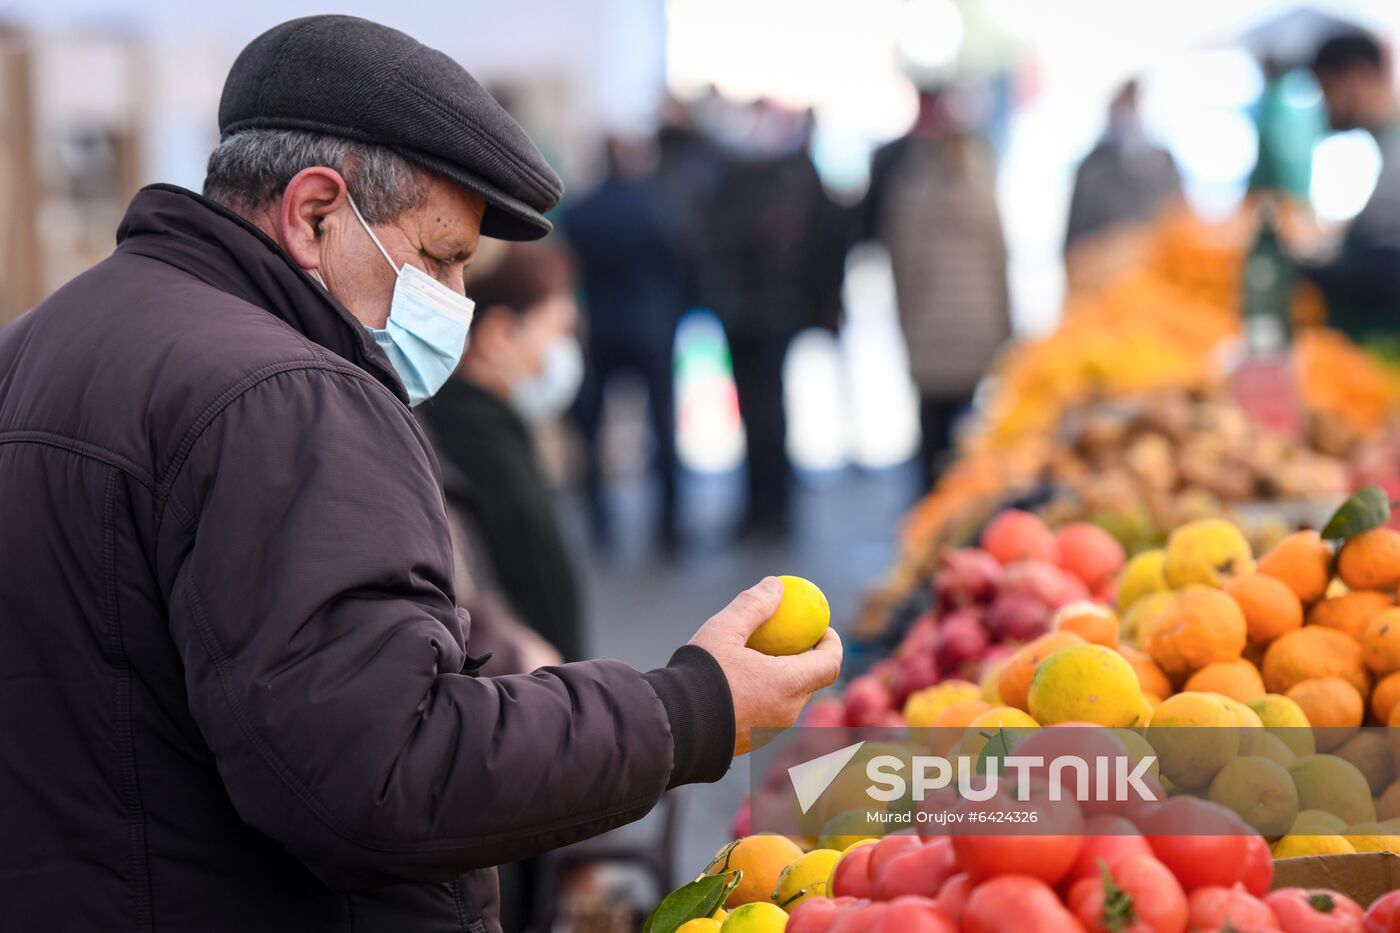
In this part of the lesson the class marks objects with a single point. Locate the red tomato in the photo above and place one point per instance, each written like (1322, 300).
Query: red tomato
(952, 900)
(1315, 911)
(941, 800)
(1085, 742)
(851, 876)
(1017, 904)
(1383, 916)
(858, 918)
(1215, 907)
(1201, 842)
(1258, 874)
(1046, 849)
(1139, 896)
(1134, 805)
(814, 915)
(1107, 840)
(886, 850)
(918, 870)
(913, 915)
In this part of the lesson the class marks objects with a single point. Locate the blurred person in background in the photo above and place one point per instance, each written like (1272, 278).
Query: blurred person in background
(688, 164)
(634, 281)
(770, 266)
(1126, 177)
(1290, 121)
(1362, 285)
(230, 643)
(932, 203)
(521, 369)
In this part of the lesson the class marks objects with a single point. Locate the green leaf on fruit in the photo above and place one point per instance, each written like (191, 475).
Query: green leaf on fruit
(1000, 745)
(1368, 508)
(997, 747)
(699, 898)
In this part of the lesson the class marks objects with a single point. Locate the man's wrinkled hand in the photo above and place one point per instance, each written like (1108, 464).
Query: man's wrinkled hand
(768, 692)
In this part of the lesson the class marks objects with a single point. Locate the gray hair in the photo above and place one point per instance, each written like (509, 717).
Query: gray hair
(250, 168)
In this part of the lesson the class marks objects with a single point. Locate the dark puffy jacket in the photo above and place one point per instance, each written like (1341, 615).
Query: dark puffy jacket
(235, 693)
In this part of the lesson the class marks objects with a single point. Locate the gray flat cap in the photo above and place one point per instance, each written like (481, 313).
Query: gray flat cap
(350, 77)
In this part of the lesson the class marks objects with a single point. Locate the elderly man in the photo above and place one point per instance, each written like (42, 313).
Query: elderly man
(235, 692)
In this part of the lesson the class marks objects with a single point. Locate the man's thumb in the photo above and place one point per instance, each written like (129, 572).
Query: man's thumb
(750, 609)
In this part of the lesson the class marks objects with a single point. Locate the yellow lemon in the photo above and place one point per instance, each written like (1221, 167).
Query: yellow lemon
(805, 877)
(802, 618)
(848, 829)
(1004, 717)
(1085, 683)
(1138, 618)
(1194, 735)
(1273, 748)
(1260, 791)
(987, 726)
(1286, 720)
(1326, 782)
(923, 706)
(1208, 551)
(1138, 749)
(1145, 711)
(755, 918)
(1141, 577)
(1317, 823)
(1291, 846)
(1244, 716)
(1373, 837)
(1251, 726)
(700, 925)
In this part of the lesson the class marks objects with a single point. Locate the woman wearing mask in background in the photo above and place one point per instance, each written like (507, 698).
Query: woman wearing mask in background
(522, 367)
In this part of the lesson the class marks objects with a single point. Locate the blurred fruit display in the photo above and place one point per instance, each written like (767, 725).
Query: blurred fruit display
(1349, 395)
(1137, 466)
(1126, 417)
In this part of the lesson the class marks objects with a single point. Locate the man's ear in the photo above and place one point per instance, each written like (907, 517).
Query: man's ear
(312, 195)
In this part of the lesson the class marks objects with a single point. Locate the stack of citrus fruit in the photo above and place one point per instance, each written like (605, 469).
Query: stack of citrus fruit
(1312, 620)
(1250, 679)
(1304, 641)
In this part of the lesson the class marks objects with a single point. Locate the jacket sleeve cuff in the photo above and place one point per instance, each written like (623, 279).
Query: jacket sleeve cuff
(698, 702)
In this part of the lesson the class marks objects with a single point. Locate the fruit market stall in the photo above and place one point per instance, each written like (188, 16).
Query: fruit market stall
(1159, 533)
(1250, 686)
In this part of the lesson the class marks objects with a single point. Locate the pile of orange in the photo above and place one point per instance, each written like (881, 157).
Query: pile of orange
(1315, 624)
(1139, 335)
(1344, 389)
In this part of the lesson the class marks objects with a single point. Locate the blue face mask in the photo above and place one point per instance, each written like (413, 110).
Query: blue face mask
(427, 328)
(547, 394)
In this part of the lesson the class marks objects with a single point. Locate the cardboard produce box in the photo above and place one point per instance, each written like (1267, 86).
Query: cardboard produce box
(1363, 877)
